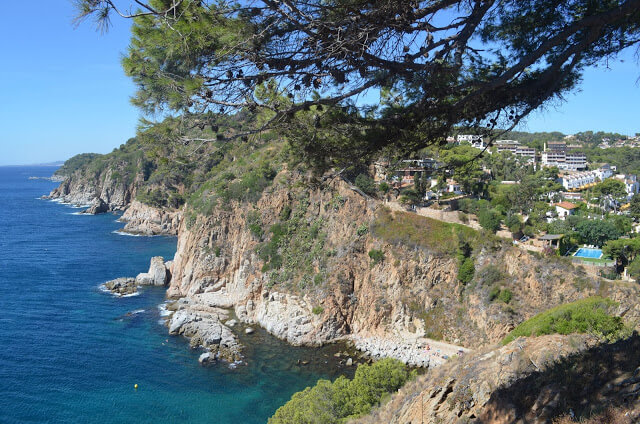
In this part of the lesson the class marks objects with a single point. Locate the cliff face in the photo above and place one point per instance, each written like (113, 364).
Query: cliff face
(147, 220)
(107, 191)
(315, 261)
(83, 187)
(333, 289)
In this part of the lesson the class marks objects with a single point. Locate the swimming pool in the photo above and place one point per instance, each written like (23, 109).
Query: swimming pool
(584, 252)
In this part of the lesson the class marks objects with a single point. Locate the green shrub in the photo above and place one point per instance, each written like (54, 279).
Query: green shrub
(384, 187)
(285, 213)
(376, 255)
(366, 184)
(254, 223)
(494, 293)
(466, 269)
(590, 315)
(317, 310)
(76, 162)
(505, 295)
(344, 399)
(489, 219)
(362, 229)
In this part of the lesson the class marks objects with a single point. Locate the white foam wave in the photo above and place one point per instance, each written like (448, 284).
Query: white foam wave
(124, 233)
(137, 311)
(164, 312)
(104, 289)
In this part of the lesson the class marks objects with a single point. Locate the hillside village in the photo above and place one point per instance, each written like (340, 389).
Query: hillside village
(552, 201)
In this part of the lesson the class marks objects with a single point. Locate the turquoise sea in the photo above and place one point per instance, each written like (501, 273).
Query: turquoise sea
(70, 353)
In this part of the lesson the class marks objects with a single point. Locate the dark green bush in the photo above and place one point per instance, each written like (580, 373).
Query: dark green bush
(494, 293)
(366, 184)
(466, 270)
(505, 295)
(489, 219)
(344, 399)
(376, 255)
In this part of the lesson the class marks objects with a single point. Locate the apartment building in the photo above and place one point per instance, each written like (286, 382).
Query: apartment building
(517, 149)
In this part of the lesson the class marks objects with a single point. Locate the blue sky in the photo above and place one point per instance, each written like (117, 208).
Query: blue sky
(64, 92)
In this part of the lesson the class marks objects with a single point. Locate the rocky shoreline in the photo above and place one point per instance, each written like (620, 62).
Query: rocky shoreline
(206, 327)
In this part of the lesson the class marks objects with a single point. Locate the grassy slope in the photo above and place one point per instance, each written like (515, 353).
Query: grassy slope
(590, 315)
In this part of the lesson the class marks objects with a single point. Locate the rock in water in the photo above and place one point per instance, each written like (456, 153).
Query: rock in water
(158, 274)
(206, 358)
(98, 206)
(349, 362)
(249, 330)
(121, 286)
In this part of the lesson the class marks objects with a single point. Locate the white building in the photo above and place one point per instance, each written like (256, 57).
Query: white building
(630, 183)
(564, 209)
(605, 171)
(578, 180)
(453, 186)
(517, 149)
(564, 161)
(475, 140)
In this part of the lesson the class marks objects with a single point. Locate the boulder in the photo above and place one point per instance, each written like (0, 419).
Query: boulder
(206, 358)
(249, 330)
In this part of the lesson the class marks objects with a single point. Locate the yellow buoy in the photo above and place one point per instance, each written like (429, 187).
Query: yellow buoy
(135, 386)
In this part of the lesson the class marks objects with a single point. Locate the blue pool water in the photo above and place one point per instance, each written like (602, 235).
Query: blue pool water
(585, 252)
(69, 353)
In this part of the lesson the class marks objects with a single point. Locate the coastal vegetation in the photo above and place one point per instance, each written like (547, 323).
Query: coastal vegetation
(591, 315)
(413, 230)
(343, 399)
(75, 163)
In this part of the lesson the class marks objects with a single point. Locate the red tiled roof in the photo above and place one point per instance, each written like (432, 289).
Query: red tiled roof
(566, 205)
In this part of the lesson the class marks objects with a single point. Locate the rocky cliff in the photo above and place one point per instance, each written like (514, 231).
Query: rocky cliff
(316, 260)
(327, 285)
(531, 380)
(84, 187)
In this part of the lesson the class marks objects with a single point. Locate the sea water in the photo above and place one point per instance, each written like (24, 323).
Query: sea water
(70, 353)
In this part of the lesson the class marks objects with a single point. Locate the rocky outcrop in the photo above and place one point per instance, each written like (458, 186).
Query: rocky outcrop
(147, 220)
(97, 207)
(122, 286)
(204, 327)
(532, 380)
(158, 274)
(85, 187)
